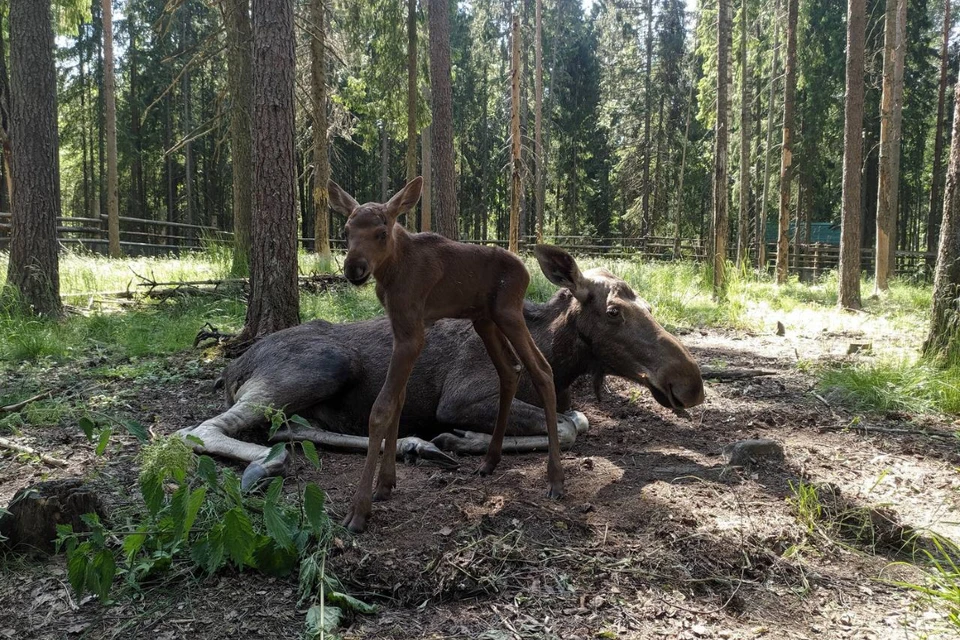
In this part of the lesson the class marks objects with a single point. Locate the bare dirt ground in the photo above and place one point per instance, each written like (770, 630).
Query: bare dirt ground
(656, 536)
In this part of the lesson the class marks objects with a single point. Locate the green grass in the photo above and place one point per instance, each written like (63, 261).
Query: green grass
(680, 293)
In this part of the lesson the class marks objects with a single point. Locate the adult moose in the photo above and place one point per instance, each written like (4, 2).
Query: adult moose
(422, 278)
(332, 373)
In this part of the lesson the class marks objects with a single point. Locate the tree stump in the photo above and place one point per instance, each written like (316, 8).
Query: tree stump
(34, 513)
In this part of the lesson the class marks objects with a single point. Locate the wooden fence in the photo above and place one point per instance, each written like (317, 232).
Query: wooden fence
(152, 237)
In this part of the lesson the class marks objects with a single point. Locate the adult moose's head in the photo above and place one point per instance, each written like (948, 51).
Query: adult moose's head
(621, 332)
(370, 228)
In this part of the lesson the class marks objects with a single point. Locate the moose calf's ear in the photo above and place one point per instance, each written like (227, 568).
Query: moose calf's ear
(404, 199)
(340, 200)
(561, 269)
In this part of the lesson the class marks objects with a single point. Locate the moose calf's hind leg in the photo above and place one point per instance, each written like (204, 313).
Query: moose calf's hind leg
(508, 370)
(516, 331)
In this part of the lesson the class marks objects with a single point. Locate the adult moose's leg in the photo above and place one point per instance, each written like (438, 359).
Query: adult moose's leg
(383, 425)
(508, 370)
(510, 322)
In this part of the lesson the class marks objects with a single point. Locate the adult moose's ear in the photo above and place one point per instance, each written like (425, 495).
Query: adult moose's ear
(340, 201)
(405, 199)
(561, 269)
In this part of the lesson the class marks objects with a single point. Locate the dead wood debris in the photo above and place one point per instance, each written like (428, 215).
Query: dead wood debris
(20, 448)
(11, 408)
(730, 375)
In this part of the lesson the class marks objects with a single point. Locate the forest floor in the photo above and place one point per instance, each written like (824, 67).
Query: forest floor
(656, 537)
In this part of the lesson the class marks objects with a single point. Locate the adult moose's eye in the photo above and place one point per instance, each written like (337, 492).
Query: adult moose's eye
(613, 312)
(381, 235)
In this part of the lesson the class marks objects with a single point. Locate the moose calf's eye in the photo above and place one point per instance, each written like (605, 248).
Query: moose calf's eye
(381, 235)
(613, 312)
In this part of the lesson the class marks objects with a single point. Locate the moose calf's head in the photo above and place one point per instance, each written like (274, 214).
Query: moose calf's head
(622, 333)
(370, 228)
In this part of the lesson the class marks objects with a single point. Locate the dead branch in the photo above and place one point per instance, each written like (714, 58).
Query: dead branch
(901, 431)
(729, 375)
(10, 408)
(50, 460)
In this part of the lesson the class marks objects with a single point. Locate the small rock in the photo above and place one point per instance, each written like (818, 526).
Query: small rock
(745, 452)
(781, 330)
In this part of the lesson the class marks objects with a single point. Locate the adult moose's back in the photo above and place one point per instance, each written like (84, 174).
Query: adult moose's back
(422, 278)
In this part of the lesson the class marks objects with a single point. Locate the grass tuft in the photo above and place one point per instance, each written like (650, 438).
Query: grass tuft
(908, 385)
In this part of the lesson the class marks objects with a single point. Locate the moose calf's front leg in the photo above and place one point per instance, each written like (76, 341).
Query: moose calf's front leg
(383, 425)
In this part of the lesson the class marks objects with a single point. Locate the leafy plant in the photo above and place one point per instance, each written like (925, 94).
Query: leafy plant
(196, 518)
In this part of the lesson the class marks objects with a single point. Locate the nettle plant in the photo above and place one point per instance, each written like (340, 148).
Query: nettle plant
(196, 520)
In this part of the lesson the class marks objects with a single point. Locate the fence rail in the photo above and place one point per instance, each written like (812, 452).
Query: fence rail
(159, 237)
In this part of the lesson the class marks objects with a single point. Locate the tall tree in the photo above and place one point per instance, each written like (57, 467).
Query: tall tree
(236, 17)
(515, 182)
(743, 230)
(894, 50)
(5, 114)
(274, 296)
(645, 224)
(943, 340)
(321, 160)
(936, 206)
(110, 113)
(771, 101)
(849, 297)
(721, 222)
(412, 96)
(445, 178)
(540, 181)
(786, 157)
(33, 268)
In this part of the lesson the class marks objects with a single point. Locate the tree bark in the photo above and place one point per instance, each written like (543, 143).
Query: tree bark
(647, 91)
(888, 192)
(5, 117)
(786, 157)
(33, 267)
(187, 127)
(721, 223)
(936, 204)
(274, 296)
(321, 160)
(850, 231)
(515, 184)
(743, 231)
(411, 104)
(943, 340)
(110, 113)
(771, 101)
(538, 119)
(236, 17)
(445, 183)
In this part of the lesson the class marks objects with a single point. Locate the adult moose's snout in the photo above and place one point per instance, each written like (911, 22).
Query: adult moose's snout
(687, 392)
(356, 271)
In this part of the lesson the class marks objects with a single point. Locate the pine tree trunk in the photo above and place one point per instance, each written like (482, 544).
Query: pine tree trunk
(743, 232)
(236, 18)
(411, 103)
(445, 183)
(894, 47)
(538, 119)
(850, 231)
(138, 199)
(936, 204)
(943, 341)
(384, 164)
(321, 160)
(683, 159)
(647, 90)
(515, 183)
(426, 200)
(771, 101)
(5, 149)
(33, 267)
(110, 113)
(274, 296)
(187, 128)
(82, 78)
(786, 157)
(721, 222)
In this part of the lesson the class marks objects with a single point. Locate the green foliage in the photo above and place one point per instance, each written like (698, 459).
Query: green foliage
(197, 519)
(909, 385)
(942, 586)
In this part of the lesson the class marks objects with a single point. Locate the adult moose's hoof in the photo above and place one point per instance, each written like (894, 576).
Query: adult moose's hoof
(258, 472)
(413, 449)
(578, 419)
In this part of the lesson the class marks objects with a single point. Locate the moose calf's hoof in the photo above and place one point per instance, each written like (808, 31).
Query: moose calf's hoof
(555, 491)
(383, 493)
(355, 522)
(488, 467)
